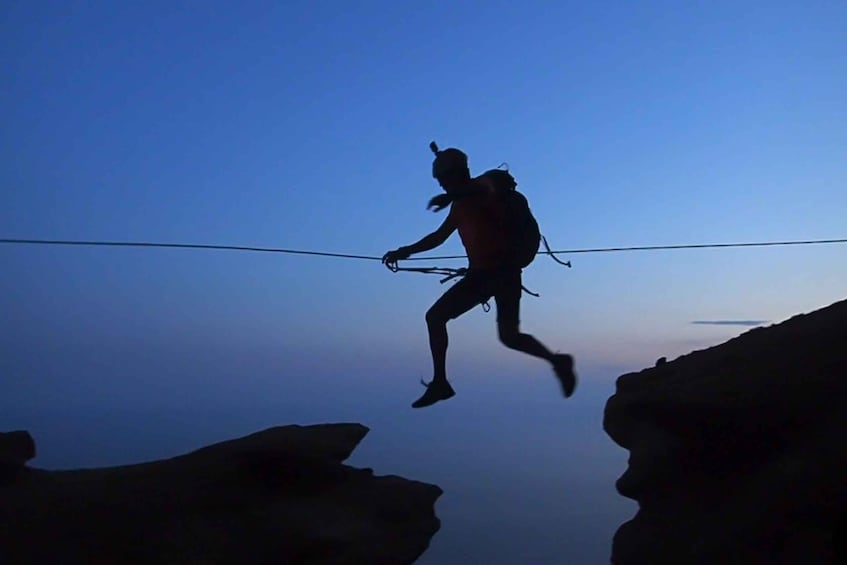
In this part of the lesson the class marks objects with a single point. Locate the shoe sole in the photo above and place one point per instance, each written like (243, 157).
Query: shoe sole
(419, 404)
(568, 381)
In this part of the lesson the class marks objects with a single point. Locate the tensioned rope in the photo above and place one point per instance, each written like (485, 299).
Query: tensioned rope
(431, 258)
(182, 246)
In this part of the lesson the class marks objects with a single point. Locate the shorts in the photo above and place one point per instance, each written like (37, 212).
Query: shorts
(477, 287)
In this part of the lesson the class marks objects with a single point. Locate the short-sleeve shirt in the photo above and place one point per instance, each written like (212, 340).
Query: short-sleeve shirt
(480, 221)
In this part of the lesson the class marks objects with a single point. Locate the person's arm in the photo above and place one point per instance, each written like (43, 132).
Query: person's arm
(434, 239)
(426, 243)
(441, 201)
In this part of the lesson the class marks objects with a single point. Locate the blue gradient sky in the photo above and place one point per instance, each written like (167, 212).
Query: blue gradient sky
(305, 125)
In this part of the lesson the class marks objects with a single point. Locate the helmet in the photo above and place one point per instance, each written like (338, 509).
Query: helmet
(449, 161)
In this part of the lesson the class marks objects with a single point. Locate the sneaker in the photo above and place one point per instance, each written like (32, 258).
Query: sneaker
(435, 391)
(563, 366)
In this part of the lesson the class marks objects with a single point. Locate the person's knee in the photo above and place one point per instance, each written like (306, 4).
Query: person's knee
(434, 317)
(509, 335)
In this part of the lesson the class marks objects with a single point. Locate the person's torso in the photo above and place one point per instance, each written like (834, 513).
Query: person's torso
(480, 221)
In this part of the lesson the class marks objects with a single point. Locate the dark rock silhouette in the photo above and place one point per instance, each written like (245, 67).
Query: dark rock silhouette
(16, 448)
(737, 452)
(276, 496)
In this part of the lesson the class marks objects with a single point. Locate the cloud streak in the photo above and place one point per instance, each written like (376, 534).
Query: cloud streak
(749, 323)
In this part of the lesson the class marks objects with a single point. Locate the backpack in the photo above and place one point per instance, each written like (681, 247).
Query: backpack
(523, 233)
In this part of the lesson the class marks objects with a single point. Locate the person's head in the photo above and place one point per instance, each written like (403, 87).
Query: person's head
(450, 168)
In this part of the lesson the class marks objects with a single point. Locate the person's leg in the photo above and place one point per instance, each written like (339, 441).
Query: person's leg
(512, 338)
(458, 299)
(508, 296)
(508, 299)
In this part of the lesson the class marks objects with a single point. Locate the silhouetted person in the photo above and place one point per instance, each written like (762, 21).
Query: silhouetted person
(478, 211)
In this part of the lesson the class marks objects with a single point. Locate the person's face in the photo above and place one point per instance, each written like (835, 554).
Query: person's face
(451, 181)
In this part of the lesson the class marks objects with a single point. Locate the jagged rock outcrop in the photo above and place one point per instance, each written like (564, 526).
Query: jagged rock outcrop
(16, 448)
(738, 452)
(276, 496)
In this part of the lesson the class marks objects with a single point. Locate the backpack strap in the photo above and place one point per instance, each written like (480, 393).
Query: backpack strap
(553, 255)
